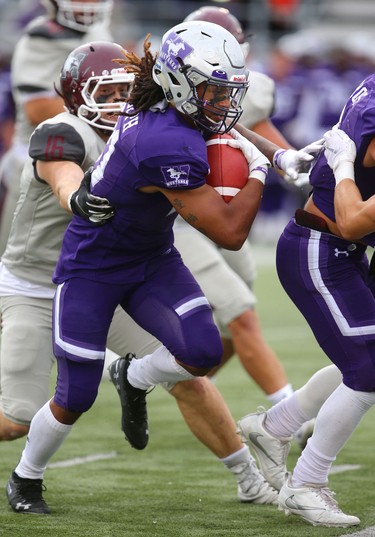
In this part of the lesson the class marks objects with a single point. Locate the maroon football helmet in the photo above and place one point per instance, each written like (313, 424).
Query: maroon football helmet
(80, 15)
(220, 16)
(84, 75)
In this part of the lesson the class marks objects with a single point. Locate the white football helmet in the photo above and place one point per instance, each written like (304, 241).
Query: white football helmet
(206, 55)
(80, 15)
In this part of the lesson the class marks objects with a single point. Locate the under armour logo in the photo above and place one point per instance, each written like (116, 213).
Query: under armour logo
(341, 252)
(22, 506)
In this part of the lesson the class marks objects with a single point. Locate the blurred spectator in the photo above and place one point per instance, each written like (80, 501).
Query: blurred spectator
(282, 16)
(320, 75)
(7, 117)
(7, 107)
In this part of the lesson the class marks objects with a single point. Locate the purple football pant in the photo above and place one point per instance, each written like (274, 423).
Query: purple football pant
(169, 304)
(327, 279)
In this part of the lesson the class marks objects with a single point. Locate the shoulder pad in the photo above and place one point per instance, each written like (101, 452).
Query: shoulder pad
(51, 30)
(57, 141)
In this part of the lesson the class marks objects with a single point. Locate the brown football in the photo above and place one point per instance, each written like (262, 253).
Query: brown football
(229, 170)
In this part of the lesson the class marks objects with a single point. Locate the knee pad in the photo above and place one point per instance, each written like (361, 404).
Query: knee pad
(205, 349)
(77, 384)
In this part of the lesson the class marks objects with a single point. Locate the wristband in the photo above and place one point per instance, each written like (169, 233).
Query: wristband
(344, 170)
(276, 158)
(259, 173)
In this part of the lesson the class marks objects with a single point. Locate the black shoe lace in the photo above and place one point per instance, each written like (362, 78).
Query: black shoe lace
(32, 490)
(138, 408)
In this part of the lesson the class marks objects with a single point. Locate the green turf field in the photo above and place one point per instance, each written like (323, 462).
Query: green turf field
(175, 487)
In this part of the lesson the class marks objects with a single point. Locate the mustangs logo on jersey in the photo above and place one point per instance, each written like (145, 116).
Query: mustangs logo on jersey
(175, 176)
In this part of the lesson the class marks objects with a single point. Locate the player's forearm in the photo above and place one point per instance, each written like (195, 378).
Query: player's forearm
(267, 130)
(64, 177)
(265, 146)
(355, 218)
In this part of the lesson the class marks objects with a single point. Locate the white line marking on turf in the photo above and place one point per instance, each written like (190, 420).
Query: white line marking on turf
(341, 468)
(83, 460)
(367, 532)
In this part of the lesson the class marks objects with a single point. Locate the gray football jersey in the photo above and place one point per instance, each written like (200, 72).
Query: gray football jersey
(39, 221)
(37, 61)
(259, 100)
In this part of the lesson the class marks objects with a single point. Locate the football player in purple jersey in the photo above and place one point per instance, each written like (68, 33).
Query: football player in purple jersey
(60, 150)
(152, 168)
(323, 266)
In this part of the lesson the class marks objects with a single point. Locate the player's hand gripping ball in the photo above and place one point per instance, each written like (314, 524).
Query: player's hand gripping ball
(229, 170)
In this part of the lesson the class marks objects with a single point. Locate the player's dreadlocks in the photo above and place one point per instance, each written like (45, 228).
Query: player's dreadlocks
(145, 92)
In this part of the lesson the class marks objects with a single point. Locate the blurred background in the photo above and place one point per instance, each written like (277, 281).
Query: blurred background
(316, 51)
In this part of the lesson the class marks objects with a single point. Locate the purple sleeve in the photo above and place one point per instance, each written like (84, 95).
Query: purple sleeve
(174, 174)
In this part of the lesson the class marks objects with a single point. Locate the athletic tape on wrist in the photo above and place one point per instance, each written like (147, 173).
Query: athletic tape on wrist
(345, 170)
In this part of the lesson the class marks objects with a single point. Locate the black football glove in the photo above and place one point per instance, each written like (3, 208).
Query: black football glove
(93, 208)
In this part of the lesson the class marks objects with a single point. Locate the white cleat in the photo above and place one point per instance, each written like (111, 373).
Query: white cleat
(315, 504)
(252, 487)
(271, 452)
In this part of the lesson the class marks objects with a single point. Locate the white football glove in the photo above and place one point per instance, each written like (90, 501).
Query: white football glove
(258, 163)
(340, 152)
(294, 163)
(303, 180)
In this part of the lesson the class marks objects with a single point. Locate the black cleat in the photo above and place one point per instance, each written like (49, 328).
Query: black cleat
(25, 495)
(133, 403)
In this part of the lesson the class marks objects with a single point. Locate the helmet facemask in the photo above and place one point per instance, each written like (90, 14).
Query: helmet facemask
(82, 15)
(95, 94)
(206, 97)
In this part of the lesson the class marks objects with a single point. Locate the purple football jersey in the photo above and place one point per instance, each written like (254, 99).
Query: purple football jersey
(358, 121)
(153, 148)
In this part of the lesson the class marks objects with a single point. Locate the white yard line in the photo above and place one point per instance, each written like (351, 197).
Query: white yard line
(338, 469)
(367, 532)
(83, 460)
(341, 468)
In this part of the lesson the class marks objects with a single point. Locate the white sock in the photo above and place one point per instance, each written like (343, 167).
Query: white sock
(238, 464)
(281, 394)
(45, 437)
(156, 368)
(313, 469)
(285, 418)
(335, 422)
(317, 389)
(238, 457)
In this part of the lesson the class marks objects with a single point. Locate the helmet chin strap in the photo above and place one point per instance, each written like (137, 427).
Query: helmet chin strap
(162, 81)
